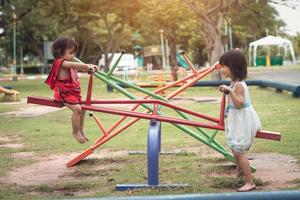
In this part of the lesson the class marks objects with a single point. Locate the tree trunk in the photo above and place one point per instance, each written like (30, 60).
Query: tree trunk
(212, 34)
(173, 60)
(217, 52)
(82, 49)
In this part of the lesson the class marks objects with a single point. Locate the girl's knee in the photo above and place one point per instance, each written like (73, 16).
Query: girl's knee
(77, 110)
(237, 155)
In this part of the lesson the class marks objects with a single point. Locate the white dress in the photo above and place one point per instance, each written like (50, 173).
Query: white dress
(242, 124)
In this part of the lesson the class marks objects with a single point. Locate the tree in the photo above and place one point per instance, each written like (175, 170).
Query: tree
(114, 18)
(175, 21)
(98, 26)
(212, 14)
(250, 22)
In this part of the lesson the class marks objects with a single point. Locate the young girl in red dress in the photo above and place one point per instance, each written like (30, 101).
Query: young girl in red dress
(63, 79)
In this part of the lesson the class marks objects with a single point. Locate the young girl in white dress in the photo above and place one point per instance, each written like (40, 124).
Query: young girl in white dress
(241, 120)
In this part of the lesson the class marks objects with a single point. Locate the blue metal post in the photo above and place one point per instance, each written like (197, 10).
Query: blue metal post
(153, 150)
(153, 147)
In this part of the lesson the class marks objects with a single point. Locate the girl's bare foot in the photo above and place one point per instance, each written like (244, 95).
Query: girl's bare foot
(247, 187)
(79, 137)
(86, 139)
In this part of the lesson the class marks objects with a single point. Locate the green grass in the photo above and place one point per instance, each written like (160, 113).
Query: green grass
(51, 134)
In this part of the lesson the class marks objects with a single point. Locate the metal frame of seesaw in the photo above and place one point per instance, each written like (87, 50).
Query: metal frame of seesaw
(154, 107)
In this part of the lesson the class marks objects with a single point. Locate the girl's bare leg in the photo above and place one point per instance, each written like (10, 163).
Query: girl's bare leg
(238, 169)
(82, 124)
(77, 111)
(245, 167)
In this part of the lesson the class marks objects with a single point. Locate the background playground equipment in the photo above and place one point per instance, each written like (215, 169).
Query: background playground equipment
(9, 94)
(159, 78)
(155, 108)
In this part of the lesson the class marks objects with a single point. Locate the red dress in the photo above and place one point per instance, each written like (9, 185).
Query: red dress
(65, 91)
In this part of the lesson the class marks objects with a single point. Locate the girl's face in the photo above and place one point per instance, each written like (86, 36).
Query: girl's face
(226, 71)
(69, 54)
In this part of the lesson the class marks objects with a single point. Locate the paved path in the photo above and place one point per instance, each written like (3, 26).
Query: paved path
(286, 76)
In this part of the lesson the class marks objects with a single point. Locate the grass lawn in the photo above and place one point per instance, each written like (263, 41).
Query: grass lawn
(50, 134)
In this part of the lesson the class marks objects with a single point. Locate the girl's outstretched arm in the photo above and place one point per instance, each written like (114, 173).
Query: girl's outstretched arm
(79, 66)
(237, 94)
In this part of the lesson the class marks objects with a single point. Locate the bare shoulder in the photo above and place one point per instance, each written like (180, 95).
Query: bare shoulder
(67, 64)
(239, 88)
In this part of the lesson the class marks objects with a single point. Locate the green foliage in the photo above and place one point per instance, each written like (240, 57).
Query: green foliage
(251, 20)
(105, 26)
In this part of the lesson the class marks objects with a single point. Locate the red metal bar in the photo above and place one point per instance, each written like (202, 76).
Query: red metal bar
(121, 119)
(157, 91)
(111, 135)
(100, 141)
(50, 102)
(44, 101)
(100, 125)
(260, 134)
(222, 110)
(199, 76)
(80, 157)
(89, 91)
(155, 101)
(190, 63)
(155, 108)
(149, 116)
(268, 135)
(147, 96)
(169, 85)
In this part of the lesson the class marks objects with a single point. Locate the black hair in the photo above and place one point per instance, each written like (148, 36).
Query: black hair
(60, 45)
(236, 62)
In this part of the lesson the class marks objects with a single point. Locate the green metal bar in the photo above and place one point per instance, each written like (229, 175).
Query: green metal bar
(129, 85)
(120, 89)
(109, 73)
(102, 77)
(133, 86)
(212, 137)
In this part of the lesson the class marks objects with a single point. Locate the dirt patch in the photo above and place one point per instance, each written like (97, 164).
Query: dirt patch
(5, 139)
(25, 156)
(31, 111)
(9, 142)
(13, 146)
(50, 170)
(276, 170)
(45, 171)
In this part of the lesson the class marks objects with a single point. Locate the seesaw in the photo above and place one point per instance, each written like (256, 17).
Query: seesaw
(155, 114)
